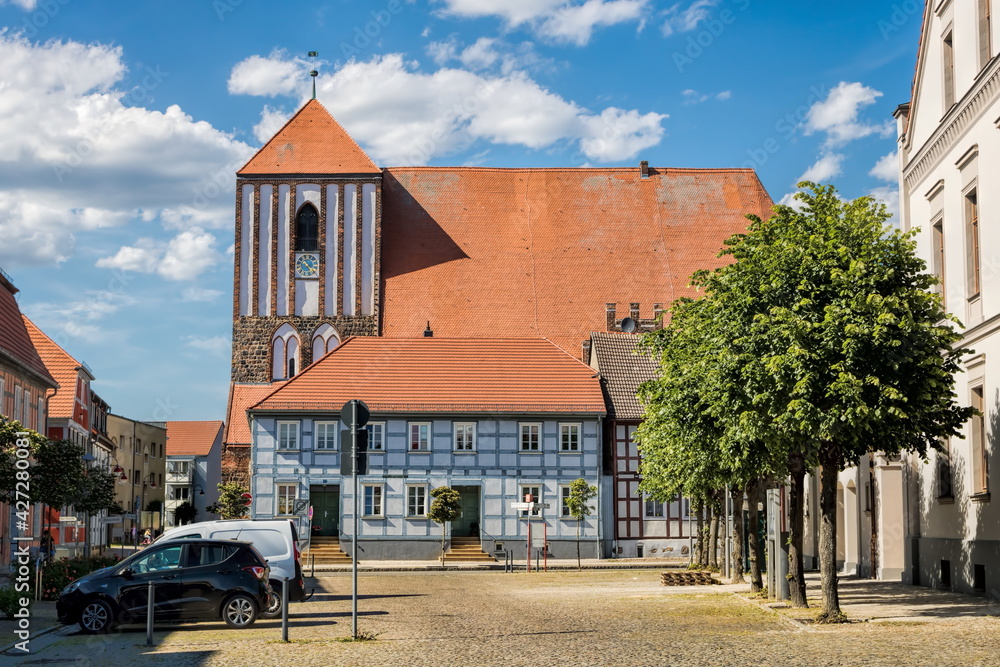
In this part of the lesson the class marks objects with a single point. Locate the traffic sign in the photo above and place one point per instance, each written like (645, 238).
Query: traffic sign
(354, 412)
(522, 506)
(247, 499)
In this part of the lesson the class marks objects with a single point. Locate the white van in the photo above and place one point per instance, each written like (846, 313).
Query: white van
(277, 541)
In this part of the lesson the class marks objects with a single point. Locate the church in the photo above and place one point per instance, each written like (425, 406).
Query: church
(459, 303)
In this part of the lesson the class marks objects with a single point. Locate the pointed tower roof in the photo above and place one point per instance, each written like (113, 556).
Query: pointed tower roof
(311, 142)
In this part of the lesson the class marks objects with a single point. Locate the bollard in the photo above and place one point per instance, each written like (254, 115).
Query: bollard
(312, 564)
(150, 602)
(284, 609)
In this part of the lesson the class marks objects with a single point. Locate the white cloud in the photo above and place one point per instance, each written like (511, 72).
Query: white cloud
(200, 294)
(887, 168)
(685, 19)
(824, 169)
(184, 257)
(271, 120)
(143, 257)
(27, 5)
(271, 76)
(489, 53)
(401, 115)
(81, 318)
(890, 196)
(837, 115)
(75, 150)
(567, 21)
(694, 97)
(217, 345)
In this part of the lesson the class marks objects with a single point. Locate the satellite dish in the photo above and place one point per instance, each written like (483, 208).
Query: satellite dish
(629, 325)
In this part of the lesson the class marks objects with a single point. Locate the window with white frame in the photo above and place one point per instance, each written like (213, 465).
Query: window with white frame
(654, 509)
(569, 437)
(288, 435)
(535, 491)
(465, 436)
(420, 436)
(326, 435)
(416, 500)
(287, 493)
(564, 494)
(178, 467)
(376, 436)
(372, 500)
(181, 493)
(531, 436)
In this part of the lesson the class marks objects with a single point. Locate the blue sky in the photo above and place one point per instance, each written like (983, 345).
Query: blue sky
(122, 124)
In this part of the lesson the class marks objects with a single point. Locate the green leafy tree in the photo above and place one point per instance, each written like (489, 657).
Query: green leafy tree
(8, 455)
(231, 503)
(185, 513)
(580, 494)
(842, 347)
(445, 508)
(97, 493)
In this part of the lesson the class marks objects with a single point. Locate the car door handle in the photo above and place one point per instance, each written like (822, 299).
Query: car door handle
(224, 571)
(169, 576)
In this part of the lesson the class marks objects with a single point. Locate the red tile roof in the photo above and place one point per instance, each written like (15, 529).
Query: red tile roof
(15, 343)
(241, 397)
(539, 252)
(443, 375)
(192, 438)
(64, 368)
(311, 142)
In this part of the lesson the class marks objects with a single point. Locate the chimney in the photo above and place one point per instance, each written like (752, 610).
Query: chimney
(612, 309)
(644, 169)
(657, 315)
(586, 351)
(427, 332)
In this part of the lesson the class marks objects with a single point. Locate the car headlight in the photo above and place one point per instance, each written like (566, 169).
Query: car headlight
(69, 589)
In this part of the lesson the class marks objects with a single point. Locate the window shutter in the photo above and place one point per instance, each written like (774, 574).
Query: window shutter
(984, 32)
(970, 253)
(949, 73)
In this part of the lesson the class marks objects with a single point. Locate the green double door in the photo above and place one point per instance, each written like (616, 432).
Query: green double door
(468, 524)
(325, 502)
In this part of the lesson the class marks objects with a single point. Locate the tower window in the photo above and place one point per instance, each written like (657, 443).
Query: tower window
(307, 229)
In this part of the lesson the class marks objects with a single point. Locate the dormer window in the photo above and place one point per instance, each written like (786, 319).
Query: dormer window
(307, 229)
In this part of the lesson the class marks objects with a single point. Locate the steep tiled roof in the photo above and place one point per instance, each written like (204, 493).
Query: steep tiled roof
(15, 343)
(241, 397)
(622, 370)
(64, 368)
(539, 252)
(311, 142)
(192, 438)
(443, 375)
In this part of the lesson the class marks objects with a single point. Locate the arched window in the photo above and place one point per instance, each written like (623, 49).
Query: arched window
(307, 229)
(284, 353)
(324, 340)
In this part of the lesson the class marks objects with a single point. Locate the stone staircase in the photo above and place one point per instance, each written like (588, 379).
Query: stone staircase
(326, 551)
(467, 549)
(687, 578)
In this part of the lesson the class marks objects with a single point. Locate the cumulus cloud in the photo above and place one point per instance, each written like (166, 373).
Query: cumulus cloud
(217, 345)
(838, 115)
(196, 294)
(566, 21)
(80, 318)
(489, 54)
(271, 120)
(274, 75)
(401, 115)
(184, 257)
(75, 150)
(27, 5)
(824, 169)
(887, 168)
(694, 97)
(684, 19)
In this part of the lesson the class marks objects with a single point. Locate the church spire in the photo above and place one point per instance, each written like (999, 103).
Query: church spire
(313, 73)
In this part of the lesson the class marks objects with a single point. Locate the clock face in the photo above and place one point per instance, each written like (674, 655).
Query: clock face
(307, 265)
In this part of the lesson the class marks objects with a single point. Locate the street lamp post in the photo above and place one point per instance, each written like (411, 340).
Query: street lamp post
(152, 484)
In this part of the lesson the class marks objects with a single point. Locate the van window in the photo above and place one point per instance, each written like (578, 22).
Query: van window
(270, 543)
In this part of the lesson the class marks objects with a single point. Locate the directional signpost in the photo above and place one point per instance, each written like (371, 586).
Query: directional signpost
(354, 415)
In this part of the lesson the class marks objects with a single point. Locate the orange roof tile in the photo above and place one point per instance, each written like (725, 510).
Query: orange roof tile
(241, 397)
(311, 142)
(539, 252)
(192, 438)
(64, 368)
(15, 343)
(443, 375)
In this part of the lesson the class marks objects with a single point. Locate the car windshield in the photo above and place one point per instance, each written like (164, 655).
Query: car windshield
(155, 560)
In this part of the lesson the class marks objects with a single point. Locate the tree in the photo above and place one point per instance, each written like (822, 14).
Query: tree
(8, 456)
(185, 513)
(445, 508)
(231, 503)
(580, 494)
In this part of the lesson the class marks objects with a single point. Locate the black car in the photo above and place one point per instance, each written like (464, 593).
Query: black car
(193, 579)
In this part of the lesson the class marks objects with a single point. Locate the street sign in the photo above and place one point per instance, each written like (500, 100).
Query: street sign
(128, 515)
(300, 506)
(247, 499)
(354, 412)
(349, 446)
(104, 520)
(522, 506)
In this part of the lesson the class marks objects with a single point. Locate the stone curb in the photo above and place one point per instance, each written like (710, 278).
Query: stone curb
(33, 636)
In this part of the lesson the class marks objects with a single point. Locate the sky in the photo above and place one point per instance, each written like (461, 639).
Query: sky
(122, 125)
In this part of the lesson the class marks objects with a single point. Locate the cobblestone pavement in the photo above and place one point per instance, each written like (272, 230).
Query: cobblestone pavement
(566, 618)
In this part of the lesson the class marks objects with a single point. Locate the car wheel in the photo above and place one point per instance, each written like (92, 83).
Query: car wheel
(96, 617)
(239, 611)
(273, 605)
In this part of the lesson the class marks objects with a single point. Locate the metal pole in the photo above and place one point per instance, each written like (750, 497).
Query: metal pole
(528, 554)
(284, 609)
(690, 536)
(354, 542)
(149, 613)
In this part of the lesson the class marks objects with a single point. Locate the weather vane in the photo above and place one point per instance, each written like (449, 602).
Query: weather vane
(313, 73)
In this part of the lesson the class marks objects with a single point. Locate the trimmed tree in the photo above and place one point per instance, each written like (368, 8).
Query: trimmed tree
(231, 503)
(185, 513)
(580, 494)
(445, 508)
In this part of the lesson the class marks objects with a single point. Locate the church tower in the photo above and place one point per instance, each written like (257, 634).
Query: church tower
(307, 257)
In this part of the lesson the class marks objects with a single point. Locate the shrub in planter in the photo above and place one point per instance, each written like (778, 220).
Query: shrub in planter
(10, 601)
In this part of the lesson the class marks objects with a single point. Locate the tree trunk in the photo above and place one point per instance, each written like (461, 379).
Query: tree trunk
(443, 527)
(702, 559)
(830, 461)
(578, 565)
(796, 496)
(753, 536)
(713, 532)
(737, 564)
